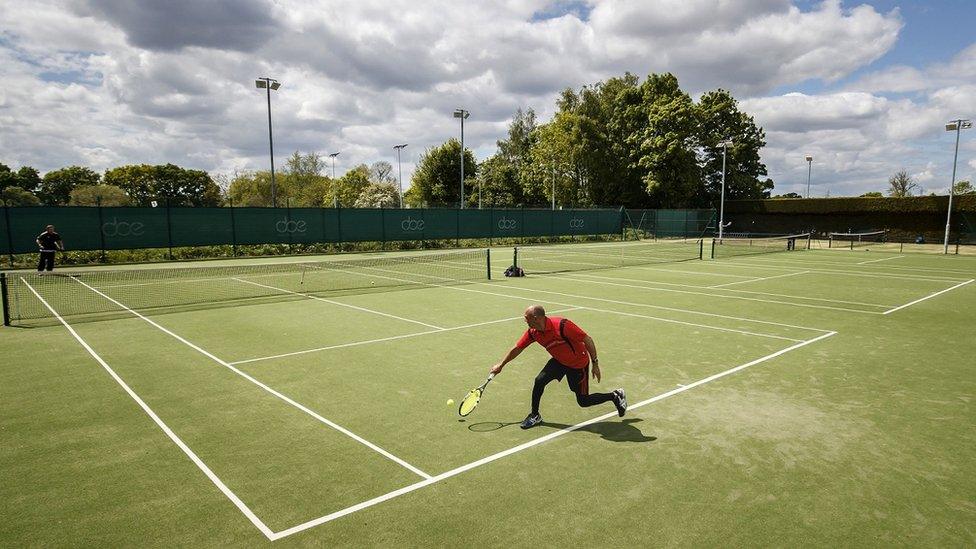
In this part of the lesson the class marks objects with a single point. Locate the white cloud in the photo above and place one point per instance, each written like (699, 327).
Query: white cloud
(106, 83)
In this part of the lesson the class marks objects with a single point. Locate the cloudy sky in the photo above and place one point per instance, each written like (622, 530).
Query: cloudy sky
(865, 87)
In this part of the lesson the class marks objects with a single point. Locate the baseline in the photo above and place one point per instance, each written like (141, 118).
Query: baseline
(930, 296)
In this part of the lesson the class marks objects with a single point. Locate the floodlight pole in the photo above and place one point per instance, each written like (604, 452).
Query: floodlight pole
(721, 211)
(335, 186)
(462, 114)
(270, 84)
(400, 171)
(957, 125)
(809, 171)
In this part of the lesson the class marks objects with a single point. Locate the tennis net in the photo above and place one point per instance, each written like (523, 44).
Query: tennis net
(574, 257)
(852, 240)
(732, 247)
(87, 293)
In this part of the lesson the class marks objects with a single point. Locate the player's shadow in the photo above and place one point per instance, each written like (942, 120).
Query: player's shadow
(614, 431)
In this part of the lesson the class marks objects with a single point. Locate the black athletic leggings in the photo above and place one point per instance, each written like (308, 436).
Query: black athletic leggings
(575, 378)
(46, 261)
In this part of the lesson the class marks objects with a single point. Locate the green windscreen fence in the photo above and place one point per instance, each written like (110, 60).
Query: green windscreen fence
(114, 228)
(686, 223)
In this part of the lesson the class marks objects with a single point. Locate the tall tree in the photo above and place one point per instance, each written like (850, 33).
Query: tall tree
(436, 182)
(249, 189)
(16, 196)
(168, 182)
(963, 187)
(719, 119)
(901, 184)
(28, 179)
(382, 173)
(378, 195)
(350, 186)
(666, 145)
(499, 183)
(99, 195)
(56, 185)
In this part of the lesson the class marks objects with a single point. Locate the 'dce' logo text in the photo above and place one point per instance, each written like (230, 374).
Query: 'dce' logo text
(409, 224)
(116, 228)
(506, 224)
(286, 226)
(575, 223)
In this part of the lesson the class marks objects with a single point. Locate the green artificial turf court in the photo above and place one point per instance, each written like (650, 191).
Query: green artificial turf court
(807, 398)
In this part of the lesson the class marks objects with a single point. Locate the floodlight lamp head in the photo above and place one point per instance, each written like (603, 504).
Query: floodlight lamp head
(333, 155)
(275, 84)
(809, 158)
(261, 84)
(725, 143)
(461, 113)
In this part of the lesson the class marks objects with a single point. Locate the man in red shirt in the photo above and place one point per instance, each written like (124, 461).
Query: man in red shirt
(572, 351)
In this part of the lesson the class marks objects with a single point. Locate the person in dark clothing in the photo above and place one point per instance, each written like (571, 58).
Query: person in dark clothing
(49, 242)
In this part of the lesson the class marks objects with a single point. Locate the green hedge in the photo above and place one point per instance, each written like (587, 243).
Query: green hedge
(914, 204)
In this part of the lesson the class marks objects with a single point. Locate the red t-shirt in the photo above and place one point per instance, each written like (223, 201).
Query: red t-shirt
(569, 352)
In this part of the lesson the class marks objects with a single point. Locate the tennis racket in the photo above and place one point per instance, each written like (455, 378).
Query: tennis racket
(471, 400)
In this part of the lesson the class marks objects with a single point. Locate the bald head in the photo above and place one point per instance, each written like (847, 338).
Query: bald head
(535, 317)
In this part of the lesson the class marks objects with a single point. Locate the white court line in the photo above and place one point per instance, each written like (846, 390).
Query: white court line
(404, 336)
(880, 260)
(667, 320)
(339, 303)
(740, 264)
(758, 279)
(159, 422)
(930, 296)
(792, 304)
(647, 305)
(771, 294)
(908, 268)
(531, 443)
(225, 364)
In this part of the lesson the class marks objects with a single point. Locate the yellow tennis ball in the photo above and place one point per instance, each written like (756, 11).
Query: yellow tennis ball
(450, 402)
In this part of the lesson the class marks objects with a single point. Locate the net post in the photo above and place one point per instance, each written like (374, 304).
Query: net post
(515, 256)
(713, 248)
(701, 248)
(6, 302)
(488, 261)
(809, 239)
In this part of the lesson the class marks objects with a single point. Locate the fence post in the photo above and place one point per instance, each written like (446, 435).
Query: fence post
(339, 227)
(383, 227)
(101, 227)
(457, 225)
(522, 227)
(233, 229)
(10, 241)
(169, 230)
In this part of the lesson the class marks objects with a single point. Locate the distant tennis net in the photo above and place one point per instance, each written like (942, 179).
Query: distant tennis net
(854, 240)
(586, 257)
(736, 246)
(77, 293)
